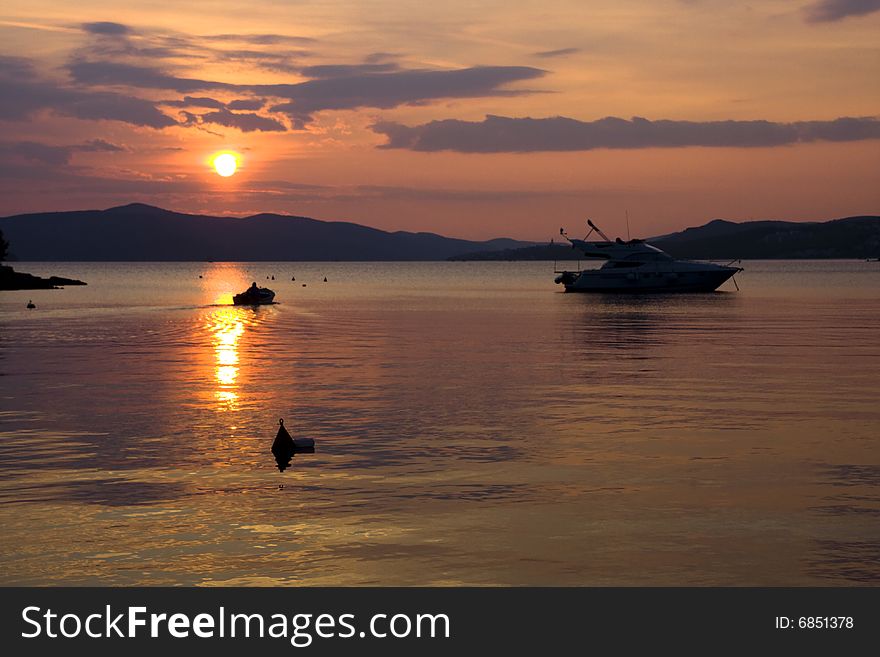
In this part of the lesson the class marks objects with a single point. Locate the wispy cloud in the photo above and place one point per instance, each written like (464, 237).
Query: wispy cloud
(333, 87)
(113, 60)
(347, 70)
(826, 11)
(284, 61)
(498, 134)
(391, 89)
(262, 39)
(561, 52)
(115, 42)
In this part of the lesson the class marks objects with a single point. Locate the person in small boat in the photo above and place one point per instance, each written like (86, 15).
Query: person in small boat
(254, 287)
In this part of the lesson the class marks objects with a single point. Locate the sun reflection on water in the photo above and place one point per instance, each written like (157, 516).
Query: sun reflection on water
(227, 327)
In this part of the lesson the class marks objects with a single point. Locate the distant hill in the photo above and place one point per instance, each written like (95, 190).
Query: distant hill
(852, 237)
(139, 232)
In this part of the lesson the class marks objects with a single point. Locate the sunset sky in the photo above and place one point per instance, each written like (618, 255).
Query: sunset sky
(468, 118)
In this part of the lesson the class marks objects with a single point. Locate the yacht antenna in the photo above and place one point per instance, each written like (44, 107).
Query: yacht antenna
(596, 228)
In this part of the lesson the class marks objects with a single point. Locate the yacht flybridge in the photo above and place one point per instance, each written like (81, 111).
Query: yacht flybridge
(636, 266)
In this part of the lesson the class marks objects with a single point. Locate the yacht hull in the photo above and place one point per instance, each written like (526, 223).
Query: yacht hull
(649, 282)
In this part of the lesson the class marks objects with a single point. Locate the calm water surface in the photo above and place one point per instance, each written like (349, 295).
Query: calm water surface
(473, 426)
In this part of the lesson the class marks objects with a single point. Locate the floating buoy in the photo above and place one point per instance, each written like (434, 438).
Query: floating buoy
(293, 278)
(273, 277)
(282, 438)
(31, 304)
(304, 284)
(325, 279)
(284, 447)
(200, 276)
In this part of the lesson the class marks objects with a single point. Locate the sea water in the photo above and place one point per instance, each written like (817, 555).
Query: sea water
(474, 425)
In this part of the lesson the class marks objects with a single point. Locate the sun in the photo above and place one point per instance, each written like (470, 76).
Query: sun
(225, 163)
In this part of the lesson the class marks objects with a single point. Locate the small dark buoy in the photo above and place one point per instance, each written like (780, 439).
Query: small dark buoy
(304, 284)
(325, 279)
(31, 304)
(282, 447)
(273, 277)
(293, 278)
(200, 276)
(267, 278)
(282, 434)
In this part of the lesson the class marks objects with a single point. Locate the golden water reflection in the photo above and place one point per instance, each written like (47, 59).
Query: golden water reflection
(227, 325)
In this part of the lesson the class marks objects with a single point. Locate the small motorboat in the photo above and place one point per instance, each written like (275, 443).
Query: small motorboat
(254, 296)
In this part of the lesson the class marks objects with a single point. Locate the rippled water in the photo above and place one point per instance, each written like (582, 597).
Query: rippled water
(473, 426)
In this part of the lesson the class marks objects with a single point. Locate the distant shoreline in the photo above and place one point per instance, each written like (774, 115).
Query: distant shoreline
(143, 233)
(11, 281)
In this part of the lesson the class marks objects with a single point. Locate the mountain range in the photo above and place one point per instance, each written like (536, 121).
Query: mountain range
(138, 232)
(852, 237)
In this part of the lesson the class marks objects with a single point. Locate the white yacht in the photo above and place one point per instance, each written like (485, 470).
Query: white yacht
(636, 266)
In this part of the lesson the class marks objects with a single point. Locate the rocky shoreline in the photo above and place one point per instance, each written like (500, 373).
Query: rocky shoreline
(14, 280)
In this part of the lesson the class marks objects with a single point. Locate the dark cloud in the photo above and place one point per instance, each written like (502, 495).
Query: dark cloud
(332, 87)
(498, 134)
(106, 73)
(249, 104)
(244, 121)
(36, 152)
(53, 155)
(112, 59)
(826, 11)
(98, 106)
(562, 52)
(25, 93)
(100, 145)
(106, 28)
(16, 68)
(391, 89)
(195, 101)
